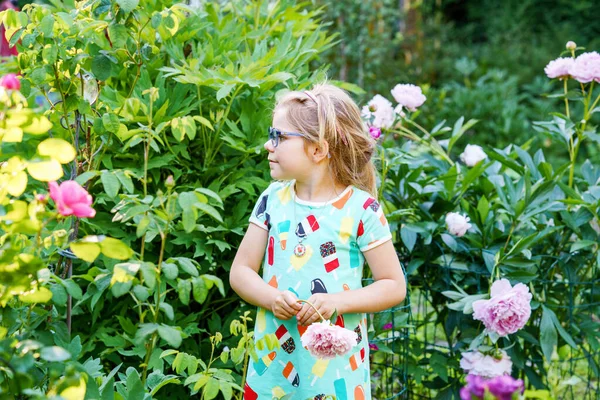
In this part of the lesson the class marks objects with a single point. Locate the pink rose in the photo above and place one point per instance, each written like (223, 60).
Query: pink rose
(409, 96)
(559, 68)
(508, 309)
(324, 340)
(486, 366)
(10, 82)
(586, 67)
(72, 199)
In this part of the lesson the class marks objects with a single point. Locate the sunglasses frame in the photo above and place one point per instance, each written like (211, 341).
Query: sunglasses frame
(275, 134)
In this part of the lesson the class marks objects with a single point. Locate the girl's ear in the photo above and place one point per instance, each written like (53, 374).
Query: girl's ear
(320, 152)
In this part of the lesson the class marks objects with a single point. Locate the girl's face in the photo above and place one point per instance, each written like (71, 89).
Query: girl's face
(288, 160)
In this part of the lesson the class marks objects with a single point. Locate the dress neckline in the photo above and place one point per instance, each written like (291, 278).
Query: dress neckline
(316, 203)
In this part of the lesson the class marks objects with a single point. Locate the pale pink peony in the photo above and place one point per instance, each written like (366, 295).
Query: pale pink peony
(324, 340)
(559, 68)
(486, 366)
(72, 199)
(472, 155)
(379, 112)
(457, 224)
(409, 96)
(586, 67)
(508, 309)
(10, 82)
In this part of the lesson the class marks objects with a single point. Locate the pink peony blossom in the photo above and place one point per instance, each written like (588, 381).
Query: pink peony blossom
(409, 96)
(486, 366)
(559, 68)
(503, 387)
(457, 224)
(324, 340)
(379, 112)
(10, 82)
(472, 155)
(72, 199)
(375, 132)
(508, 309)
(586, 67)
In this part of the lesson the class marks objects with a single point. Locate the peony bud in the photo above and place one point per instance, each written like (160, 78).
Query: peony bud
(571, 45)
(375, 132)
(10, 82)
(170, 182)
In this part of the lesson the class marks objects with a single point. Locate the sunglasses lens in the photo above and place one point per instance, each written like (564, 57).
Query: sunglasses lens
(274, 136)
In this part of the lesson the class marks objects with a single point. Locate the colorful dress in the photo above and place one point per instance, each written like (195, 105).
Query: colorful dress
(335, 234)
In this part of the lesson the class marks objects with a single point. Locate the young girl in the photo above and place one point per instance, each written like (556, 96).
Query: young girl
(315, 226)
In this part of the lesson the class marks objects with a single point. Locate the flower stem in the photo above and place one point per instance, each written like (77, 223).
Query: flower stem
(314, 308)
(566, 100)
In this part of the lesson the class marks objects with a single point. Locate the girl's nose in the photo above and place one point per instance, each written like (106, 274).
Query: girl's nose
(269, 146)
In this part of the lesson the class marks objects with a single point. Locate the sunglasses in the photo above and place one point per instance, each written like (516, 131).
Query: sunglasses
(275, 134)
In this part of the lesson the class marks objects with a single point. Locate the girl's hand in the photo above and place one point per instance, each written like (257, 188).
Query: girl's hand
(285, 305)
(323, 302)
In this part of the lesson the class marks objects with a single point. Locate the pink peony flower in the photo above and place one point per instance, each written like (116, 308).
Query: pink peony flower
(457, 224)
(374, 132)
(10, 82)
(379, 112)
(507, 310)
(409, 96)
(72, 199)
(324, 340)
(503, 387)
(475, 386)
(586, 67)
(486, 366)
(559, 68)
(472, 155)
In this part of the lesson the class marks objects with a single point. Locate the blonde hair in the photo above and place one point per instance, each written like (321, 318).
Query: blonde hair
(328, 113)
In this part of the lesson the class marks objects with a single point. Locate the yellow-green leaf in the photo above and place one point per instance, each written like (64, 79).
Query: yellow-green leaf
(114, 248)
(45, 171)
(86, 251)
(38, 295)
(17, 184)
(12, 135)
(58, 149)
(74, 392)
(38, 126)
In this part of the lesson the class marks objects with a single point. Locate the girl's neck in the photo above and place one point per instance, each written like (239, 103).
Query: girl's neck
(318, 191)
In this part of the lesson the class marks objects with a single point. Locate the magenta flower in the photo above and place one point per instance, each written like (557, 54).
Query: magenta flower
(475, 387)
(559, 68)
(486, 366)
(72, 199)
(324, 340)
(387, 326)
(586, 67)
(409, 96)
(10, 82)
(373, 346)
(508, 309)
(374, 132)
(503, 387)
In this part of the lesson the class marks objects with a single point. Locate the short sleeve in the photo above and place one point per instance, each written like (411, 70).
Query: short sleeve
(260, 215)
(373, 228)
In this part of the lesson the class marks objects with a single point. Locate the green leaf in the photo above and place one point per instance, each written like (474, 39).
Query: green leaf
(187, 265)
(483, 208)
(46, 26)
(128, 5)
(210, 210)
(111, 183)
(169, 270)
(211, 279)
(200, 290)
(141, 292)
(59, 295)
(212, 389)
(45, 171)
(224, 91)
(548, 337)
(409, 237)
(73, 288)
(149, 274)
(581, 244)
(171, 335)
(168, 310)
(184, 288)
(54, 354)
(101, 67)
(564, 334)
(111, 122)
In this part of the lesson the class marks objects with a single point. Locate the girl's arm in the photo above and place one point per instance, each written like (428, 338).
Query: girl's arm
(247, 283)
(388, 290)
